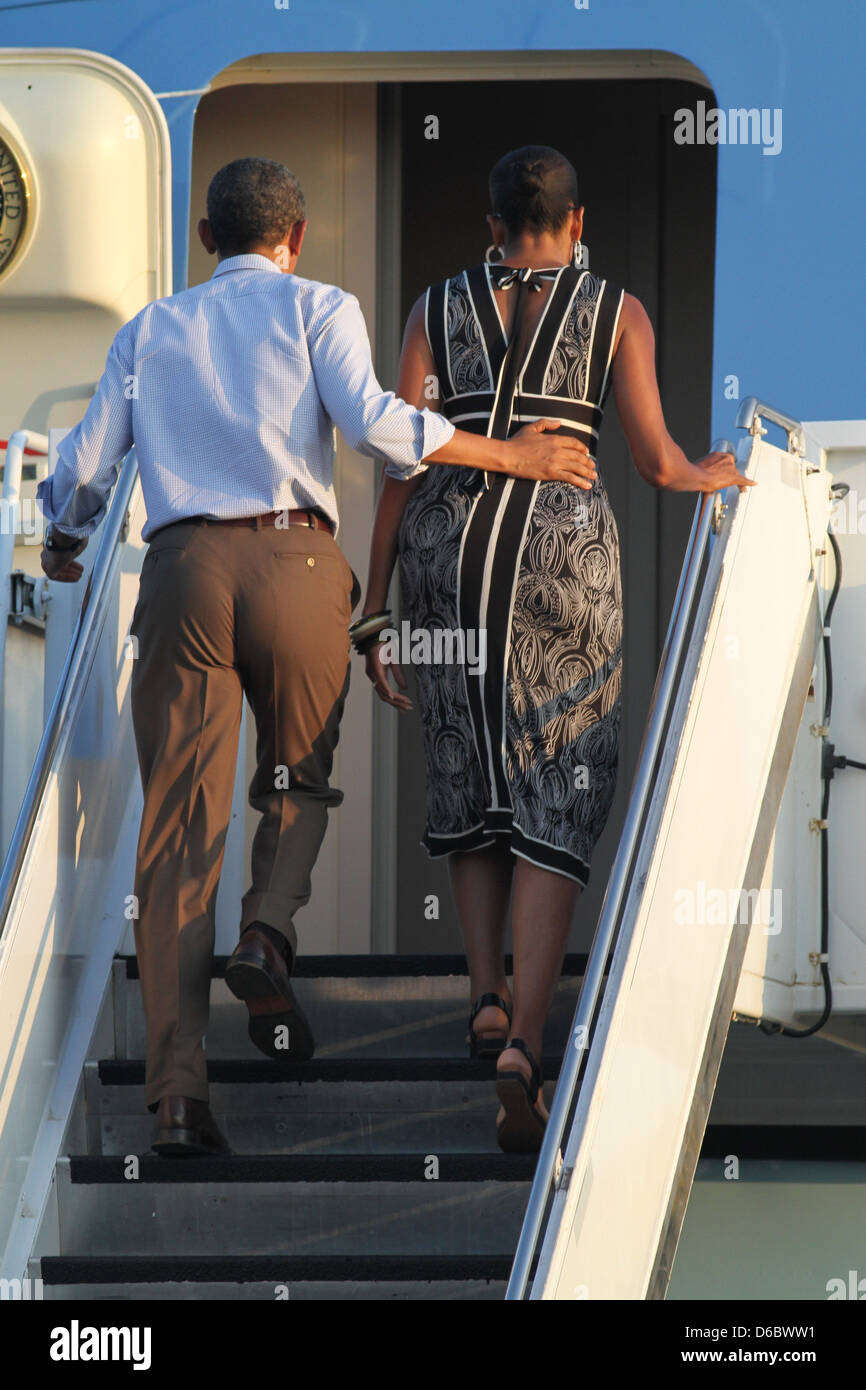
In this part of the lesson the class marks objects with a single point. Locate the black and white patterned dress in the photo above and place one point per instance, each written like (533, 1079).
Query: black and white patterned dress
(526, 749)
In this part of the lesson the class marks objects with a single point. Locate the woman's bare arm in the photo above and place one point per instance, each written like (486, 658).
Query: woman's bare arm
(657, 457)
(416, 384)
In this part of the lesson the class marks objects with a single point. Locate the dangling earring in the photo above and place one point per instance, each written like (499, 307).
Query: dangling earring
(493, 247)
(579, 256)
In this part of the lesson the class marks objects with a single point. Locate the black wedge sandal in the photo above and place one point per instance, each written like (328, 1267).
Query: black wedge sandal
(522, 1129)
(487, 1044)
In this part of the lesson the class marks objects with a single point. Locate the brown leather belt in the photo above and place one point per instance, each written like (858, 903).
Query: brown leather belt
(291, 517)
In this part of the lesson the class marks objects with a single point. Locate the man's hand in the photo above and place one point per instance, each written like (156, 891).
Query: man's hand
(538, 453)
(61, 564)
(720, 470)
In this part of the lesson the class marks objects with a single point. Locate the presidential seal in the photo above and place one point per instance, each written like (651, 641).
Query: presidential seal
(13, 204)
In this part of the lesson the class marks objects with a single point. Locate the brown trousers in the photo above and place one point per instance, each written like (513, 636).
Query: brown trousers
(224, 612)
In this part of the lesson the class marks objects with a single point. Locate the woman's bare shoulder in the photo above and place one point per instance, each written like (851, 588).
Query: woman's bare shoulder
(418, 311)
(633, 319)
(415, 332)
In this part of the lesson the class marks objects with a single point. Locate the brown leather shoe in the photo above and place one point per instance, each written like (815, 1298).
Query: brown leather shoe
(259, 974)
(186, 1126)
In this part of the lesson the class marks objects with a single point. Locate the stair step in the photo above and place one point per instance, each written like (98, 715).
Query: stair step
(303, 1168)
(313, 1117)
(408, 1015)
(313, 1277)
(329, 1189)
(340, 1105)
(343, 967)
(238, 1269)
(130, 1072)
(304, 1291)
(195, 1213)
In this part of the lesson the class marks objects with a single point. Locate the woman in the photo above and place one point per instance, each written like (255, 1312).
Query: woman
(522, 756)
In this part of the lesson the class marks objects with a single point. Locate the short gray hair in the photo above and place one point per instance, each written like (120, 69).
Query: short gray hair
(253, 200)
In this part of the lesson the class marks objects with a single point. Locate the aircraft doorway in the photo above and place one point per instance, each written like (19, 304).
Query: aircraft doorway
(392, 210)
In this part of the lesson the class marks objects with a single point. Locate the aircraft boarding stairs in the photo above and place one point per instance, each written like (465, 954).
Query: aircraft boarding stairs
(370, 1171)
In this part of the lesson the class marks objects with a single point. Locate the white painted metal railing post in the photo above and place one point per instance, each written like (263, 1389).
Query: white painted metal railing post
(79, 660)
(9, 523)
(12, 470)
(547, 1173)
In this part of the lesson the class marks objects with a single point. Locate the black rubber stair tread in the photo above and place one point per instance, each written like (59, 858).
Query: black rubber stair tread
(246, 1269)
(830, 1143)
(250, 1168)
(377, 967)
(130, 1072)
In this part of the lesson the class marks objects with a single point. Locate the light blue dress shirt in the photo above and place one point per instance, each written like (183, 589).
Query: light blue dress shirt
(230, 391)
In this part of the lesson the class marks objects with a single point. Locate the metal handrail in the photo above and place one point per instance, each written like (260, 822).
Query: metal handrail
(549, 1160)
(76, 669)
(752, 411)
(12, 473)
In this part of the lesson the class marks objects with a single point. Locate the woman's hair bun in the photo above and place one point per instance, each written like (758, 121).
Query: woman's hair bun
(533, 187)
(530, 173)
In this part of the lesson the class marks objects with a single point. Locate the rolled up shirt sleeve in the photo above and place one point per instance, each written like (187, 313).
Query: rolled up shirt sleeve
(75, 496)
(375, 422)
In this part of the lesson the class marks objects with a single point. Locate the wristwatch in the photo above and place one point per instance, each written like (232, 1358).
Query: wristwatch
(50, 540)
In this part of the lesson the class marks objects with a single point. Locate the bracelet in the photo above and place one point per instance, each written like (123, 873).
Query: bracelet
(365, 630)
(366, 643)
(369, 618)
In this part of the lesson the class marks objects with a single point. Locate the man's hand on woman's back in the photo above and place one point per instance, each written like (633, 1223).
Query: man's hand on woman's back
(539, 452)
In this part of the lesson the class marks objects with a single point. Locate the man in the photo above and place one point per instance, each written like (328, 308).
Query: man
(230, 391)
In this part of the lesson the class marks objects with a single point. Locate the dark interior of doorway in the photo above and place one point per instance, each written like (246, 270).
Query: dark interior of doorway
(650, 227)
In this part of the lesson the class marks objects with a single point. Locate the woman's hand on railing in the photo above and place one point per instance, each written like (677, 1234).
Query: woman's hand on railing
(378, 672)
(720, 471)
